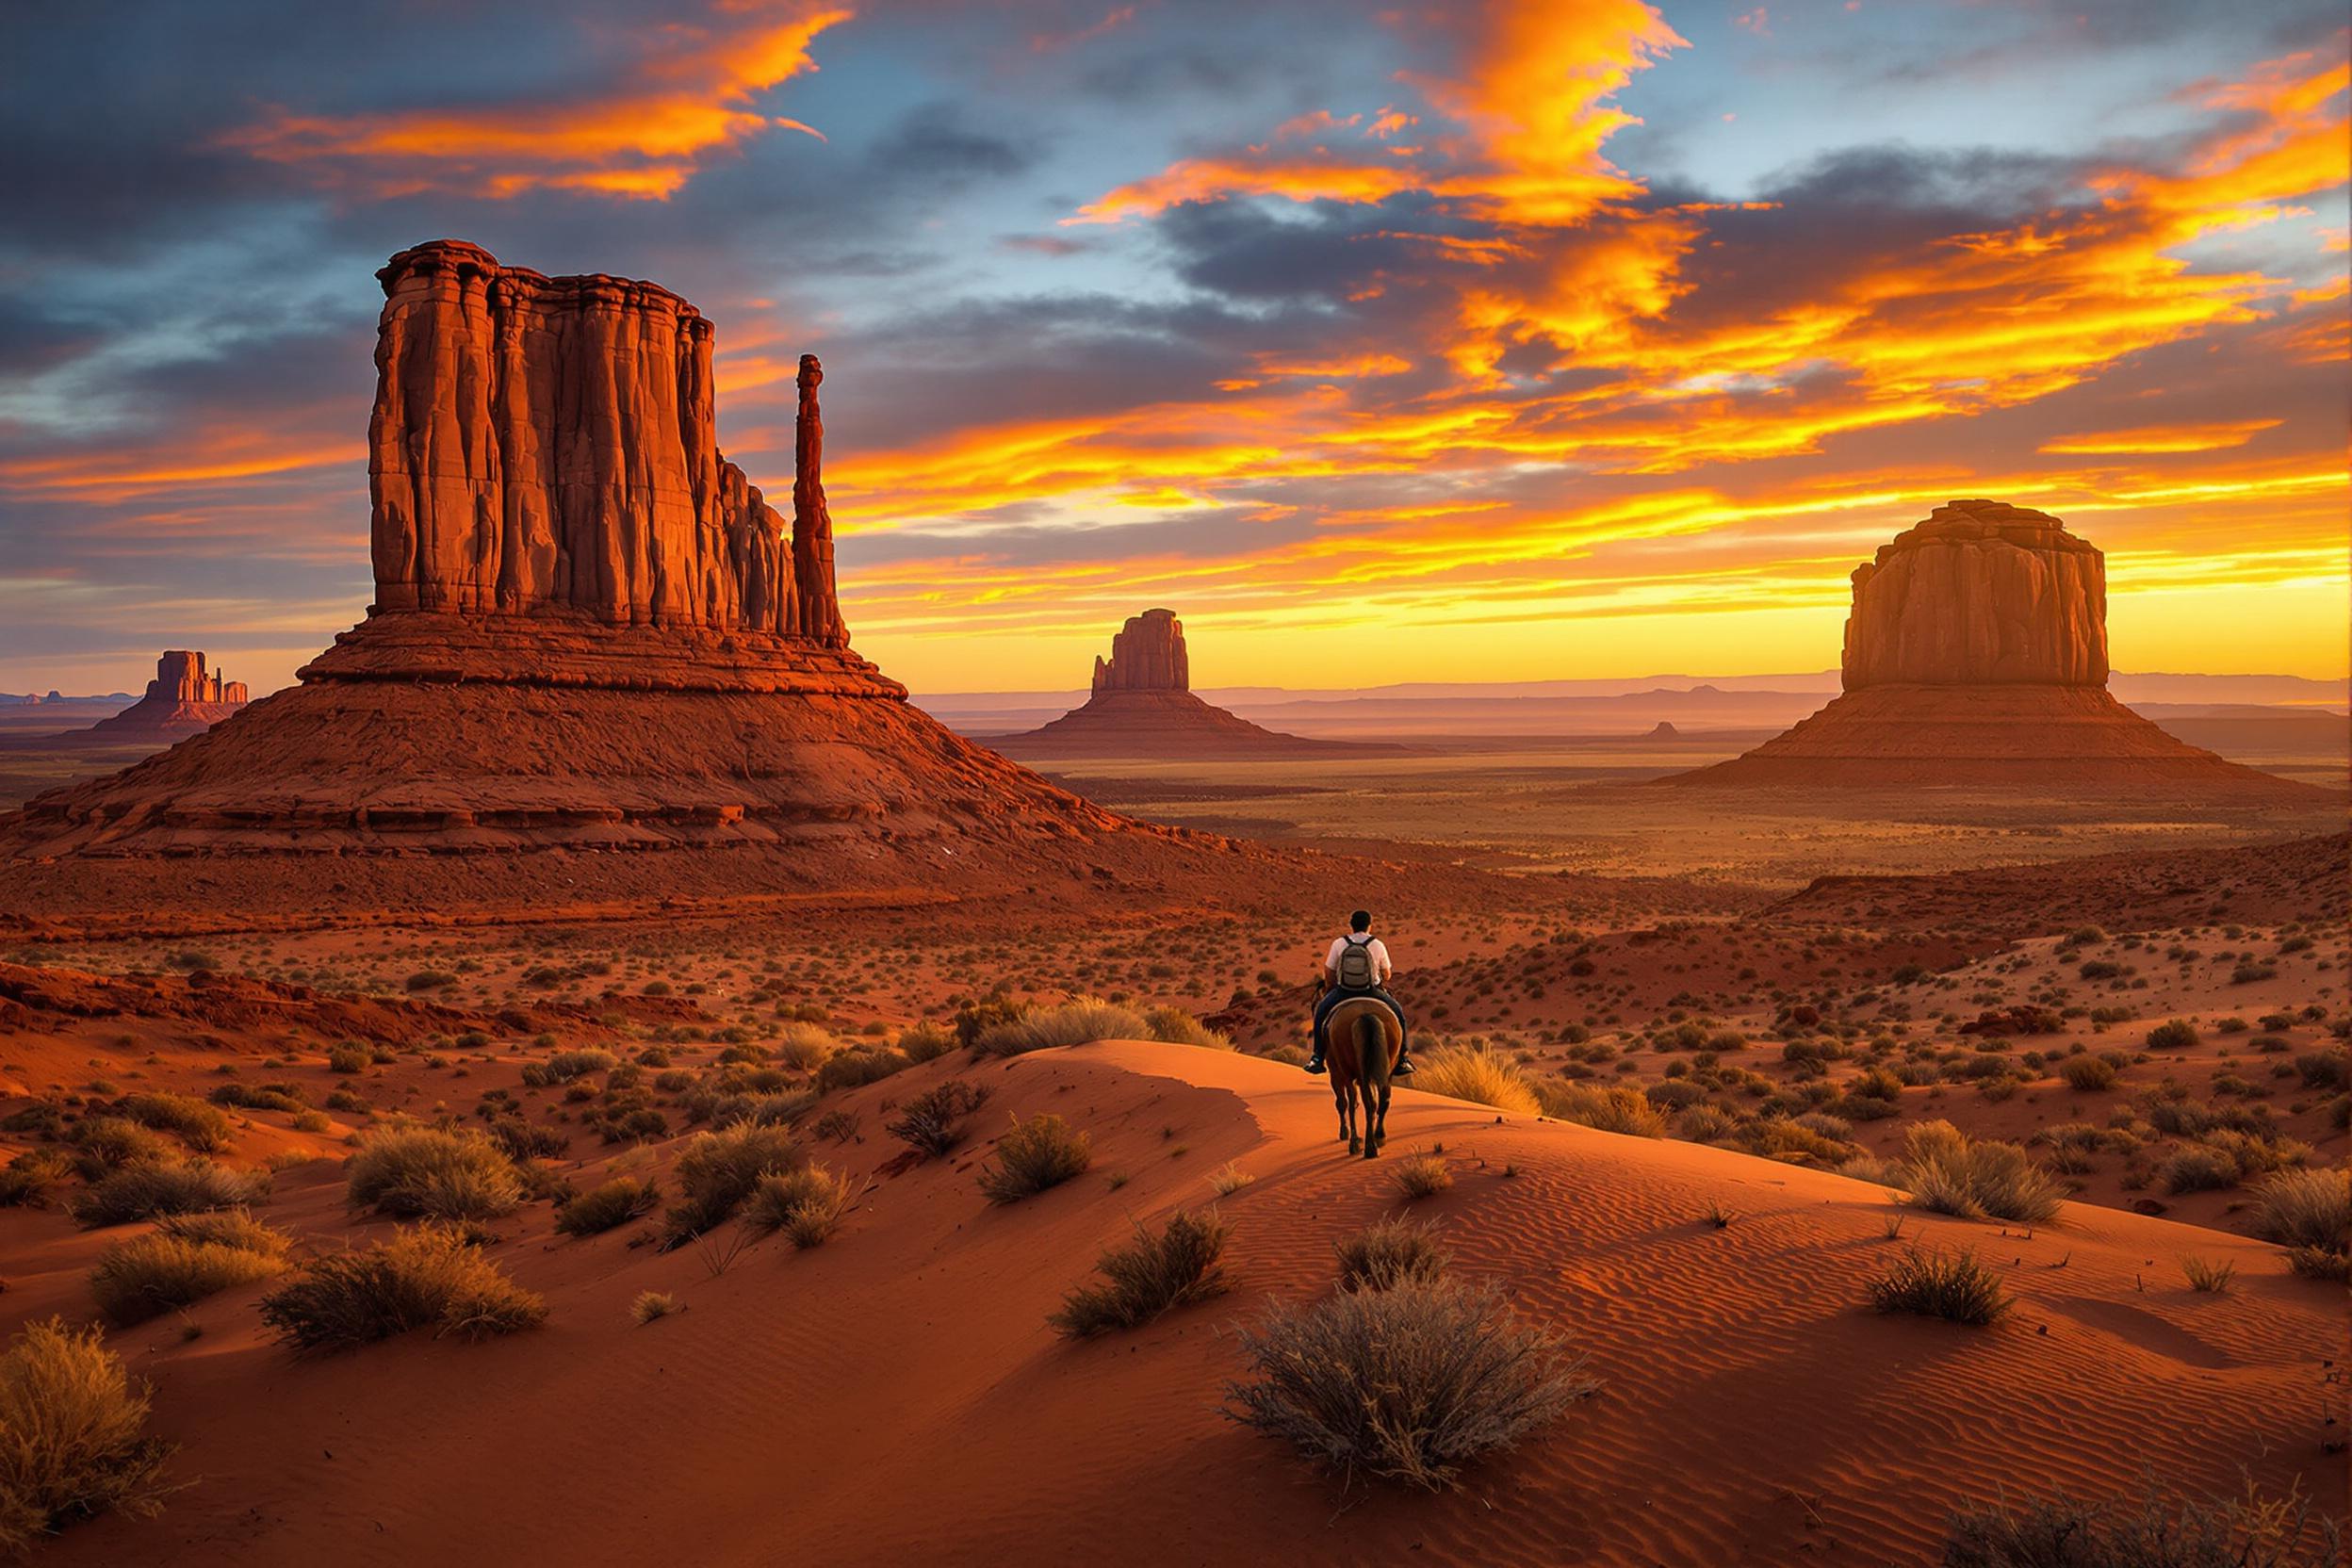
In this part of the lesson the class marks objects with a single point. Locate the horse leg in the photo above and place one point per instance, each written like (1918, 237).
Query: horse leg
(1376, 1120)
(1345, 1099)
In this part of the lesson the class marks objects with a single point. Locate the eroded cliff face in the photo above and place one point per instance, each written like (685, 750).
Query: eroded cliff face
(183, 699)
(1147, 655)
(551, 442)
(1980, 594)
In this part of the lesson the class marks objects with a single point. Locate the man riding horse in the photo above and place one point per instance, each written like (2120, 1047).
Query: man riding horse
(1357, 967)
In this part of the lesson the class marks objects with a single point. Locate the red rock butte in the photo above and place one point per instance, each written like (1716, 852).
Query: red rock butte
(1976, 655)
(590, 631)
(1142, 705)
(184, 699)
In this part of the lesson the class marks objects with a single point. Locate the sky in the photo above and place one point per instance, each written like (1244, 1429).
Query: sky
(1492, 339)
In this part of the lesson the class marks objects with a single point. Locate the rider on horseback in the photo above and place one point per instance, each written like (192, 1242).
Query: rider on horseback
(1357, 965)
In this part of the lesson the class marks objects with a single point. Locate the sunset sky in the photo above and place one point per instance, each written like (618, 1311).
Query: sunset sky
(1524, 339)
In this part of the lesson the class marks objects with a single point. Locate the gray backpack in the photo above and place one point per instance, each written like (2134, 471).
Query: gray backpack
(1357, 972)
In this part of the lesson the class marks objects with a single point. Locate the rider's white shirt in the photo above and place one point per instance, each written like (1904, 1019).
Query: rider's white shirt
(1379, 955)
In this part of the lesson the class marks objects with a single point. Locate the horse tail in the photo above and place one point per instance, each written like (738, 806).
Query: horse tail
(1372, 1049)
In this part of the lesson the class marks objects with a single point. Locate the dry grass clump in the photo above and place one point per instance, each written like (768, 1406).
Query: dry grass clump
(108, 1143)
(2253, 1532)
(2087, 1073)
(802, 1046)
(1179, 1027)
(609, 1204)
(808, 1205)
(2212, 1279)
(430, 1276)
(932, 1123)
(1039, 1153)
(1078, 1022)
(1406, 1384)
(27, 1176)
(1478, 1074)
(1150, 1275)
(1420, 1176)
(201, 1127)
(652, 1304)
(147, 1191)
(1228, 1179)
(72, 1441)
(1945, 1171)
(718, 1171)
(1382, 1256)
(1956, 1287)
(188, 1258)
(435, 1172)
(2309, 1212)
(1616, 1109)
(925, 1041)
(564, 1065)
(856, 1068)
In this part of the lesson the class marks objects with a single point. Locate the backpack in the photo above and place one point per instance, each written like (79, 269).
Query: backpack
(1357, 972)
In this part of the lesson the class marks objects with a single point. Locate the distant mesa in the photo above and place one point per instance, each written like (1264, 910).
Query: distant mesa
(590, 631)
(1143, 706)
(1665, 732)
(184, 699)
(1976, 654)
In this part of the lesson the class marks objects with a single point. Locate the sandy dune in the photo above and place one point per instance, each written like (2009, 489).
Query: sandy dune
(896, 1394)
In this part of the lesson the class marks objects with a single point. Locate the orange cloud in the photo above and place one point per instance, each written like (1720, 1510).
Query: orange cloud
(2162, 438)
(689, 93)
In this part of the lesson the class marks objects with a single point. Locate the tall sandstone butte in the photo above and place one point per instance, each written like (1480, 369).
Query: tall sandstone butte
(552, 442)
(589, 632)
(1142, 705)
(1976, 655)
(1980, 594)
(185, 698)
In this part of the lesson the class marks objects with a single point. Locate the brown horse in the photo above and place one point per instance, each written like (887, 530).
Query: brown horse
(1364, 1039)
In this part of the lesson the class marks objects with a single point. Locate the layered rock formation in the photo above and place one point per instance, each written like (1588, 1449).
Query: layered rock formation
(1981, 594)
(184, 699)
(1143, 706)
(589, 633)
(1976, 655)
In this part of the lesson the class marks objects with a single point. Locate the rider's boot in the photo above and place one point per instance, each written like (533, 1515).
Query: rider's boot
(1404, 1065)
(1314, 1063)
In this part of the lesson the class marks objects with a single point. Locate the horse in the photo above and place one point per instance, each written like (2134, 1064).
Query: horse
(1364, 1038)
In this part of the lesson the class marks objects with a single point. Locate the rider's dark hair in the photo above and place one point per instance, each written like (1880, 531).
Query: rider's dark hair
(1360, 920)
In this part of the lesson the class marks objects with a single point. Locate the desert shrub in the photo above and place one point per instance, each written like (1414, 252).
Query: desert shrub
(1078, 1022)
(1705, 1123)
(200, 1126)
(854, 1069)
(430, 1276)
(804, 1047)
(652, 1304)
(932, 1122)
(923, 1043)
(72, 1441)
(1039, 1153)
(2087, 1073)
(2324, 1070)
(722, 1107)
(1945, 1171)
(27, 1176)
(2212, 1279)
(436, 1173)
(1954, 1286)
(1149, 1275)
(835, 1126)
(609, 1204)
(2148, 1532)
(258, 1096)
(1785, 1138)
(1407, 1384)
(1616, 1109)
(808, 1204)
(1228, 1179)
(106, 1143)
(1390, 1253)
(718, 1171)
(1478, 1074)
(1179, 1027)
(1422, 1175)
(520, 1141)
(147, 1191)
(564, 1065)
(2306, 1209)
(187, 1260)
(2174, 1034)
(2198, 1168)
